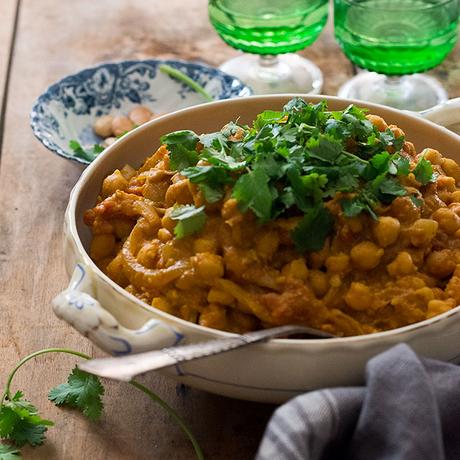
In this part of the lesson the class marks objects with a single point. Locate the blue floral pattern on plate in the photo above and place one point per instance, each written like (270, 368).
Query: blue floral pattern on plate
(67, 109)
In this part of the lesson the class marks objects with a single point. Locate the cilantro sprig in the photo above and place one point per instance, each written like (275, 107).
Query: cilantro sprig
(20, 422)
(291, 162)
(85, 154)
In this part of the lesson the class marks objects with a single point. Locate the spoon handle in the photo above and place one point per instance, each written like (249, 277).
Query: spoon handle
(126, 367)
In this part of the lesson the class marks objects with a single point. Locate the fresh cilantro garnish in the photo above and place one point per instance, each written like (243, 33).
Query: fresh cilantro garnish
(9, 452)
(82, 391)
(312, 230)
(210, 179)
(80, 152)
(252, 192)
(190, 219)
(423, 172)
(182, 148)
(289, 162)
(21, 423)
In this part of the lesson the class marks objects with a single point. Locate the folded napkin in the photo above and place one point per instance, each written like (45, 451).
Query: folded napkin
(408, 410)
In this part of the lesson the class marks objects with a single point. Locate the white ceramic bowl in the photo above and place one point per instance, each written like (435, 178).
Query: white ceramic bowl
(120, 323)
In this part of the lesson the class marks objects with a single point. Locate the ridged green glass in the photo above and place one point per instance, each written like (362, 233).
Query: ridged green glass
(396, 37)
(268, 26)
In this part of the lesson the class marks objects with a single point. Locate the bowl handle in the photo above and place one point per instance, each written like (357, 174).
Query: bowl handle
(80, 309)
(445, 114)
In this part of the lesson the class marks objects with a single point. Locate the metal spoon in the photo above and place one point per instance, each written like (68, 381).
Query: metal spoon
(126, 367)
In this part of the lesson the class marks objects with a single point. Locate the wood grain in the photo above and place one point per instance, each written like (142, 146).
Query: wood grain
(55, 38)
(7, 15)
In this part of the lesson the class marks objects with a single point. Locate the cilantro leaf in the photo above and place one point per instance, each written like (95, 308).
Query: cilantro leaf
(188, 139)
(402, 165)
(82, 391)
(325, 148)
(391, 186)
(252, 192)
(182, 148)
(423, 172)
(80, 152)
(211, 180)
(190, 219)
(9, 452)
(313, 229)
(365, 201)
(268, 117)
(21, 423)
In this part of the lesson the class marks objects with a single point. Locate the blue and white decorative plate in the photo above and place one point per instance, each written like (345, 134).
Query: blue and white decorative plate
(67, 109)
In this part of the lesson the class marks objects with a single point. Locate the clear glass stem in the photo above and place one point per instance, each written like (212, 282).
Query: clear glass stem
(410, 92)
(270, 74)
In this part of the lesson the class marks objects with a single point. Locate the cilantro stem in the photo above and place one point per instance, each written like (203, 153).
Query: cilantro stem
(7, 393)
(175, 73)
(154, 397)
(173, 414)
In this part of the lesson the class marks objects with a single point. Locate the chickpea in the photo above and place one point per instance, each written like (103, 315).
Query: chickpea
(386, 230)
(167, 222)
(102, 246)
(267, 244)
(440, 263)
(205, 245)
(436, 307)
(409, 148)
(113, 182)
(455, 197)
(297, 268)
(164, 235)
(120, 125)
(404, 209)
(162, 304)
(103, 126)
(208, 266)
(447, 219)
(366, 255)
(355, 224)
(432, 155)
(335, 281)
(446, 182)
(140, 115)
(401, 265)
(377, 121)
(338, 263)
(424, 295)
(359, 296)
(397, 132)
(319, 282)
(451, 168)
(422, 232)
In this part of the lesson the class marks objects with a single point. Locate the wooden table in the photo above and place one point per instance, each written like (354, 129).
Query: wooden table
(41, 41)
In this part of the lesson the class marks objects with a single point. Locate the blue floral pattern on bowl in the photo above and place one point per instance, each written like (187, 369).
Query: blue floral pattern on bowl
(67, 109)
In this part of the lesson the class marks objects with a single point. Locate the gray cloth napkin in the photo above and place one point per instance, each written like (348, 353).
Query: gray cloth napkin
(408, 410)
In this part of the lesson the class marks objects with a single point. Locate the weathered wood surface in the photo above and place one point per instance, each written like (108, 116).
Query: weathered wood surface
(7, 19)
(55, 38)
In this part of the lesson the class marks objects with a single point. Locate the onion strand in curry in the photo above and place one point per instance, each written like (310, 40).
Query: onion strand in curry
(329, 219)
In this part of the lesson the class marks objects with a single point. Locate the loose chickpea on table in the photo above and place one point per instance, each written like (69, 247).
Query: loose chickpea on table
(109, 127)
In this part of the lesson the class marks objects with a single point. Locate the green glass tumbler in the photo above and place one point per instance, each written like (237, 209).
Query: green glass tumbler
(271, 30)
(396, 40)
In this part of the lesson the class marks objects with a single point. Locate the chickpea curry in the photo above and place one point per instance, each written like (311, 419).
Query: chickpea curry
(323, 218)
